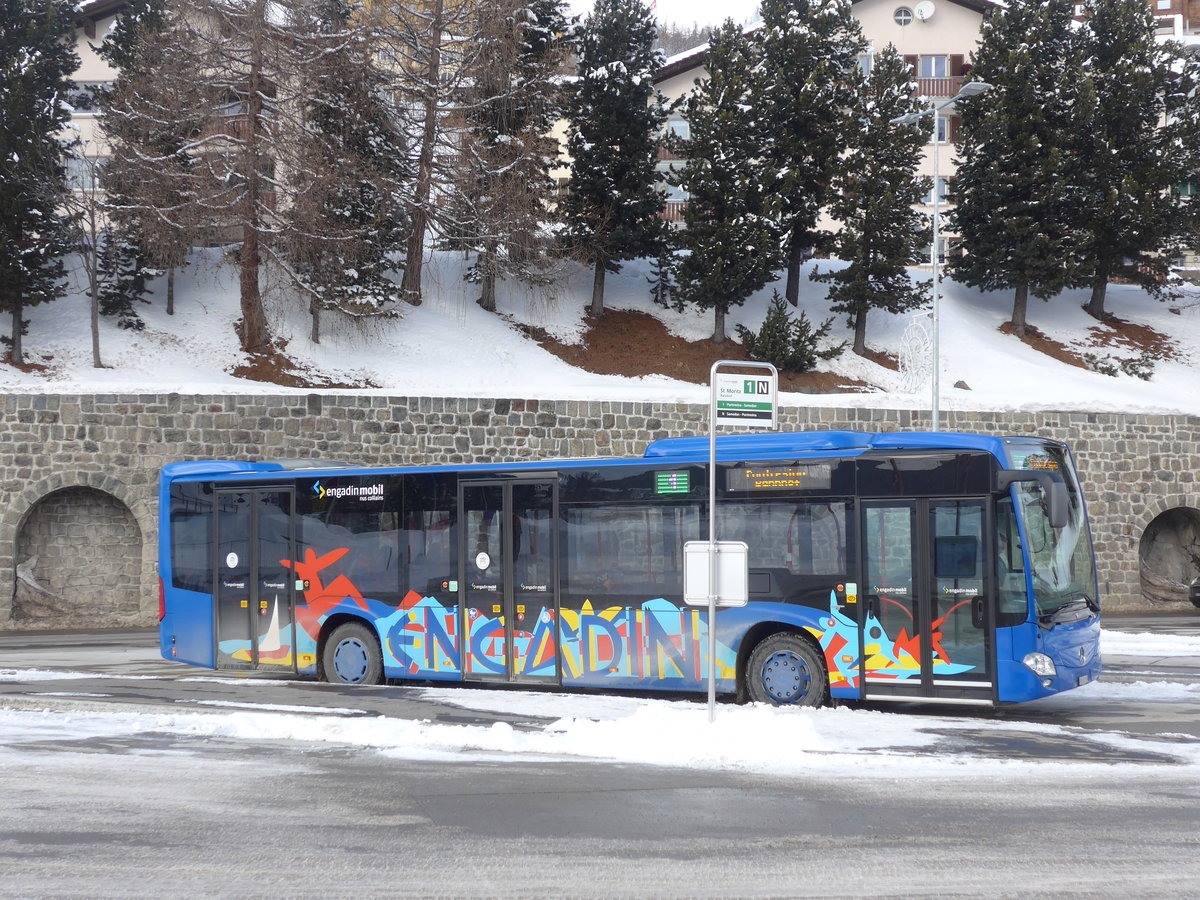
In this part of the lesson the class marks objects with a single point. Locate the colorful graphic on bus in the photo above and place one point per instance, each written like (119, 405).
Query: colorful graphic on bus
(879, 567)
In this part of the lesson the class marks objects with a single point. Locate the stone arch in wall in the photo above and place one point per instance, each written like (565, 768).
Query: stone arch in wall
(1169, 551)
(80, 555)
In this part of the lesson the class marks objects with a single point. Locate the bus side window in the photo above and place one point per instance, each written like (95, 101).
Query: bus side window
(797, 550)
(630, 551)
(368, 533)
(1010, 567)
(191, 536)
(430, 516)
(806, 538)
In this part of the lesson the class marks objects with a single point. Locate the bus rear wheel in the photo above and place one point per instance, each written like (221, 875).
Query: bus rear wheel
(352, 656)
(786, 670)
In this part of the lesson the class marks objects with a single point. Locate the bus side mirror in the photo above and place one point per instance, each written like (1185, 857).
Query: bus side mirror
(1053, 488)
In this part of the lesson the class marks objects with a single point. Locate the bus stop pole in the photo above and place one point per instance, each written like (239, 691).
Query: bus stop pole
(712, 546)
(755, 420)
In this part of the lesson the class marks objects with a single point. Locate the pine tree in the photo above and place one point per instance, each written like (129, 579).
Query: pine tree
(874, 194)
(123, 281)
(728, 240)
(613, 204)
(349, 165)
(803, 86)
(36, 61)
(791, 345)
(1137, 141)
(202, 72)
(504, 181)
(87, 232)
(429, 41)
(1013, 188)
(140, 244)
(243, 80)
(122, 47)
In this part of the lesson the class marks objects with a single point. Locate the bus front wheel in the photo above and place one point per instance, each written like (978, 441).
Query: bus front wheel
(352, 656)
(786, 670)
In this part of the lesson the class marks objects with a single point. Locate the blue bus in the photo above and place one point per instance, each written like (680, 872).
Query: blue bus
(956, 568)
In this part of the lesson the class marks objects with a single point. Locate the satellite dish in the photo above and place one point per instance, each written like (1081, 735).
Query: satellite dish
(924, 10)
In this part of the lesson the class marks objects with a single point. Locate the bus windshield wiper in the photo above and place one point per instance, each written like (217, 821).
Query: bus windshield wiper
(1070, 611)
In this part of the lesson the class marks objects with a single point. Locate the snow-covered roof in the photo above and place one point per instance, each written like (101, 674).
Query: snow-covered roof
(694, 58)
(98, 9)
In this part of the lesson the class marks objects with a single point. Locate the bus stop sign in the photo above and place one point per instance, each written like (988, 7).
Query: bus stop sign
(747, 401)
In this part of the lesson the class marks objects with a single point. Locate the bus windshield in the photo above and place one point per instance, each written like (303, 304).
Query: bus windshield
(1060, 559)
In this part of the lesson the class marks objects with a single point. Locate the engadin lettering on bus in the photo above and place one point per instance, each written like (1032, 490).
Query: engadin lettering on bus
(366, 492)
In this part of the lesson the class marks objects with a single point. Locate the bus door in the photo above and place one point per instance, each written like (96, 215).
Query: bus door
(255, 622)
(508, 580)
(926, 620)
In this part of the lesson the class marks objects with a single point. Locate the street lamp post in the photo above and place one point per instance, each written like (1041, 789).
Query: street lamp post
(970, 89)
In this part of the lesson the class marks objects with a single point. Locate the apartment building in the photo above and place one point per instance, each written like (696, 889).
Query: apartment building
(1177, 19)
(93, 21)
(937, 37)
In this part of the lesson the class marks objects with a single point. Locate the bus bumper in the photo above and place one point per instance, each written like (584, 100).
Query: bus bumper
(1073, 652)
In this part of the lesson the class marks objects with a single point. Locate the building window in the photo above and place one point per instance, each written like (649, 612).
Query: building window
(84, 173)
(84, 96)
(672, 193)
(864, 65)
(679, 128)
(934, 67)
(943, 191)
(1189, 189)
(943, 129)
(902, 16)
(942, 245)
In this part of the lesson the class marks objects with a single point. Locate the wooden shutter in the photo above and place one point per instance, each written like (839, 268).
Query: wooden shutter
(955, 122)
(956, 64)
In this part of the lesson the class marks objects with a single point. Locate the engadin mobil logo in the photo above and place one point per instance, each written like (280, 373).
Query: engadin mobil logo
(357, 491)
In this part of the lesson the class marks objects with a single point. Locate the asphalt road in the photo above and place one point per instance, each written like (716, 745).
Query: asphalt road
(168, 684)
(152, 815)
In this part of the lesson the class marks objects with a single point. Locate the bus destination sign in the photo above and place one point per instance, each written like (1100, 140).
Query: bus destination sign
(796, 477)
(1041, 461)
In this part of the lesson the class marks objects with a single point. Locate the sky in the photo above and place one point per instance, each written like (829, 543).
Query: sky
(635, 730)
(687, 12)
(448, 346)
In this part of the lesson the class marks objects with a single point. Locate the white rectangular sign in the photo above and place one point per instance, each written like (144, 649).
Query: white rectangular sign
(733, 573)
(744, 400)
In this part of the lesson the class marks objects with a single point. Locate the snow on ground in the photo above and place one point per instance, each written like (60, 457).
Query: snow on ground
(448, 346)
(1117, 643)
(637, 730)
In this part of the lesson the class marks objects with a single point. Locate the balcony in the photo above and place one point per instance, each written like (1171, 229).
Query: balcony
(945, 87)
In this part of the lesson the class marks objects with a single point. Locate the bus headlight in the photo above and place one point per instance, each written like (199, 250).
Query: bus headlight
(1040, 664)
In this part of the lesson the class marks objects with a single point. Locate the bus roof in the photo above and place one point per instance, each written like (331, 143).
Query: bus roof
(845, 443)
(762, 446)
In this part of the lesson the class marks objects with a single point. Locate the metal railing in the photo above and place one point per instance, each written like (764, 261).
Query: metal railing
(945, 86)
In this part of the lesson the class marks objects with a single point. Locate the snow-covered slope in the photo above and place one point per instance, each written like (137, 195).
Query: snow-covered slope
(448, 346)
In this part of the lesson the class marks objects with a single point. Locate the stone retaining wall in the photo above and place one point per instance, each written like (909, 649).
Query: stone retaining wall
(89, 464)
